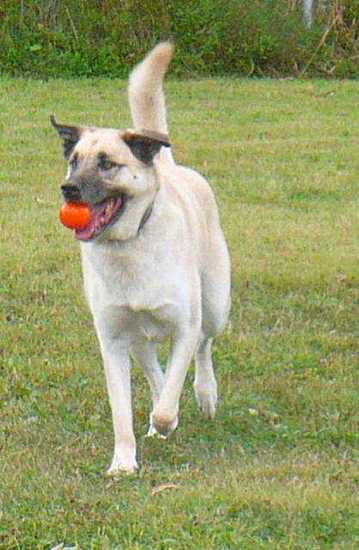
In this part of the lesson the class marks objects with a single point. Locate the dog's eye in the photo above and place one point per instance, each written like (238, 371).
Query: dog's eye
(104, 163)
(74, 162)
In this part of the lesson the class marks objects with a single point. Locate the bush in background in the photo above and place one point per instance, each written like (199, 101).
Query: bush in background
(71, 38)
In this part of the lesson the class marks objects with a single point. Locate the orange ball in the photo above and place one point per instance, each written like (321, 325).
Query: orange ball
(75, 215)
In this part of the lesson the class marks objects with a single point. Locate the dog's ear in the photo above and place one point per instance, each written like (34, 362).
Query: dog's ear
(69, 135)
(145, 144)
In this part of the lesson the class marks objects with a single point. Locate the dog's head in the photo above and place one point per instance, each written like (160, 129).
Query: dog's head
(113, 172)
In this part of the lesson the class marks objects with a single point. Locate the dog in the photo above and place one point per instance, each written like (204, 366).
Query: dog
(154, 259)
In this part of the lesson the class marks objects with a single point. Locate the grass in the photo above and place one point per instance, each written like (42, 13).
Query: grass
(278, 466)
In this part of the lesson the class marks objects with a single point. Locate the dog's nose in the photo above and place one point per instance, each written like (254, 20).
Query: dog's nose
(71, 192)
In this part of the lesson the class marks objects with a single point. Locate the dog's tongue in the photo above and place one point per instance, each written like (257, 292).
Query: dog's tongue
(86, 233)
(101, 215)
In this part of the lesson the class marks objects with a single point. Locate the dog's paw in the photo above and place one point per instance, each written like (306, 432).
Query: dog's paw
(206, 396)
(152, 432)
(116, 470)
(119, 467)
(162, 426)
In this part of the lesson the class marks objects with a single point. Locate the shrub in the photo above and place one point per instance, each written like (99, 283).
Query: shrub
(70, 38)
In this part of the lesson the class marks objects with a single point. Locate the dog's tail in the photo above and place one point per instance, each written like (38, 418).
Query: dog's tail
(145, 90)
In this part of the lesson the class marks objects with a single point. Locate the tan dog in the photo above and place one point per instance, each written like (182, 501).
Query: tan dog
(155, 262)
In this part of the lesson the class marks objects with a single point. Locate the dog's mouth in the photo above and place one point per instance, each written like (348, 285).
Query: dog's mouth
(103, 215)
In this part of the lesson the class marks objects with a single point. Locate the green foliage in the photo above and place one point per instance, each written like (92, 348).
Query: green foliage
(71, 38)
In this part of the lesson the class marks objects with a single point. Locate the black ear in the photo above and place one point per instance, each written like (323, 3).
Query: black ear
(145, 144)
(69, 135)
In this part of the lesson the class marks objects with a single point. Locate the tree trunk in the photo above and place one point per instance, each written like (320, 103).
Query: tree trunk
(308, 12)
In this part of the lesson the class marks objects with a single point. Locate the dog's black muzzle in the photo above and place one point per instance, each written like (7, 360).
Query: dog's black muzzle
(71, 192)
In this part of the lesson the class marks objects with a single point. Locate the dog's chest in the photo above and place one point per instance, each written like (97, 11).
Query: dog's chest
(130, 280)
(134, 293)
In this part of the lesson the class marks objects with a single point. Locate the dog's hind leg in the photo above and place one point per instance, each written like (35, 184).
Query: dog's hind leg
(205, 385)
(144, 353)
(215, 282)
(215, 305)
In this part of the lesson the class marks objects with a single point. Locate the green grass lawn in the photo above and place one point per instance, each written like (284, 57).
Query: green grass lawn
(278, 467)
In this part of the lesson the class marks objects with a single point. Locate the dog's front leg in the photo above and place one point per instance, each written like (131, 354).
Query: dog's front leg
(164, 416)
(115, 353)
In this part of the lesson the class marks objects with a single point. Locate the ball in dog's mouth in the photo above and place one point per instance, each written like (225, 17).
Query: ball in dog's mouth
(103, 215)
